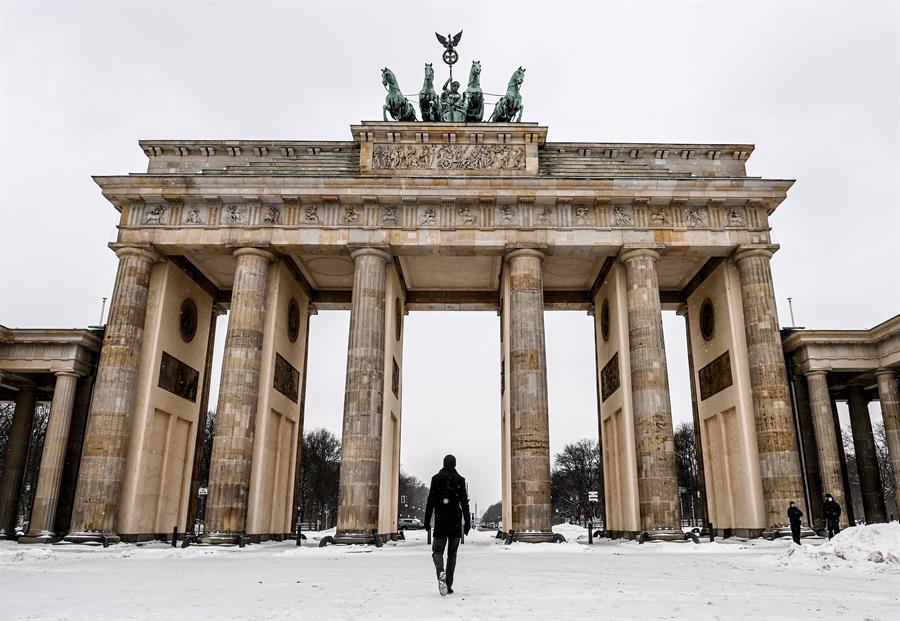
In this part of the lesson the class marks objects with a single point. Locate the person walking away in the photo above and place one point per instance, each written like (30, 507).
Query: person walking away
(832, 511)
(794, 514)
(449, 503)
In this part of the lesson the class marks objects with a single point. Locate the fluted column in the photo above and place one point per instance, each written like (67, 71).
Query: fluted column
(528, 409)
(53, 458)
(866, 459)
(827, 442)
(363, 400)
(779, 461)
(890, 413)
(232, 452)
(16, 454)
(105, 449)
(654, 437)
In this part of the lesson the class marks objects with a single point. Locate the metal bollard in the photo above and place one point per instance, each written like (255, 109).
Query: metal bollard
(712, 536)
(510, 537)
(376, 538)
(241, 542)
(590, 533)
(175, 537)
(299, 535)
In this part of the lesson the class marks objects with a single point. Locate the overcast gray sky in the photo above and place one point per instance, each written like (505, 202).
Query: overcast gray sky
(814, 86)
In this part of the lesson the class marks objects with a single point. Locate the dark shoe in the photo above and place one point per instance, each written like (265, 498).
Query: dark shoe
(449, 591)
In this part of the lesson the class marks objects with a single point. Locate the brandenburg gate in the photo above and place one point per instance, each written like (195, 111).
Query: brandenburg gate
(415, 216)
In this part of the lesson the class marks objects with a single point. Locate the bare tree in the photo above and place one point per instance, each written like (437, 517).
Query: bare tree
(493, 514)
(7, 408)
(320, 470)
(412, 497)
(33, 463)
(885, 469)
(576, 471)
(688, 471)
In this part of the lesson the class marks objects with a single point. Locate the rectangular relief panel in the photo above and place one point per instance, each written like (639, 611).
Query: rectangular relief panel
(178, 378)
(286, 379)
(715, 376)
(609, 377)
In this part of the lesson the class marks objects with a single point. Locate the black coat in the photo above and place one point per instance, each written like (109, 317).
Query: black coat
(449, 502)
(794, 514)
(832, 510)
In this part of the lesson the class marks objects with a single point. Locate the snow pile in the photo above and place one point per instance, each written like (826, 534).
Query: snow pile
(874, 546)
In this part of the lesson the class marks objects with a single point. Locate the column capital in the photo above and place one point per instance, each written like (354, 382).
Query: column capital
(74, 374)
(634, 252)
(748, 251)
(885, 371)
(816, 373)
(524, 252)
(259, 252)
(147, 251)
(370, 251)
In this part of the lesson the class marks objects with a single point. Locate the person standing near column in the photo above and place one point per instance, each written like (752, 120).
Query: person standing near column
(794, 514)
(832, 512)
(449, 502)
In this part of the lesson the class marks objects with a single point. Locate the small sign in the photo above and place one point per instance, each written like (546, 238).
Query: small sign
(593, 497)
(202, 491)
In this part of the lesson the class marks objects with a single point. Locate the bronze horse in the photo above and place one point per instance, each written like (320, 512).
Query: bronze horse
(395, 102)
(429, 103)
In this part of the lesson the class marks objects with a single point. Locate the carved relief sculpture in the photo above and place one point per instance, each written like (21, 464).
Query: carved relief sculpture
(621, 216)
(735, 218)
(545, 216)
(429, 216)
(581, 216)
(448, 157)
(389, 215)
(193, 216)
(273, 215)
(155, 215)
(311, 214)
(233, 214)
(351, 216)
(466, 215)
(507, 214)
(659, 216)
(695, 218)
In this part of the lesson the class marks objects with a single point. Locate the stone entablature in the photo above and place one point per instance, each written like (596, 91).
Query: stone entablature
(849, 351)
(440, 149)
(47, 351)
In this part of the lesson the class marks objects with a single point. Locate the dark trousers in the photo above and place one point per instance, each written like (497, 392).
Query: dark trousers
(795, 533)
(437, 555)
(834, 527)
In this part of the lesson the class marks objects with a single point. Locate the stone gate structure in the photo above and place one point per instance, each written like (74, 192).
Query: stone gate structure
(435, 216)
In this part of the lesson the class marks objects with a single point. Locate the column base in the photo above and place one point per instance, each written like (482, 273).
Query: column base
(780, 532)
(353, 538)
(534, 537)
(92, 536)
(665, 534)
(43, 536)
(219, 539)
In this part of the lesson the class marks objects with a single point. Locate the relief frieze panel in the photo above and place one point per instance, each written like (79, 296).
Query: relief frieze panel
(448, 157)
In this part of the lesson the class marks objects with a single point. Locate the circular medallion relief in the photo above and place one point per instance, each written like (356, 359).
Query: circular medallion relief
(604, 320)
(293, 323)
(188, 320)
(398, 318)
(707, 320)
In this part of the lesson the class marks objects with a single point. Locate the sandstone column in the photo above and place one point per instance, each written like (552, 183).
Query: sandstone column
(779, 461)
(827, 441)
(654, 437)
(528, 410)
(363, 401)
(866, 460)
(232, 452)
(698, 439)
(890, 412)
(845, 473)
(53, 457)
(809, 451)
(16, 454)
(115, 389)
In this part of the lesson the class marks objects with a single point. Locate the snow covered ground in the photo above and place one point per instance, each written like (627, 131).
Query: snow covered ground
(728, 579)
